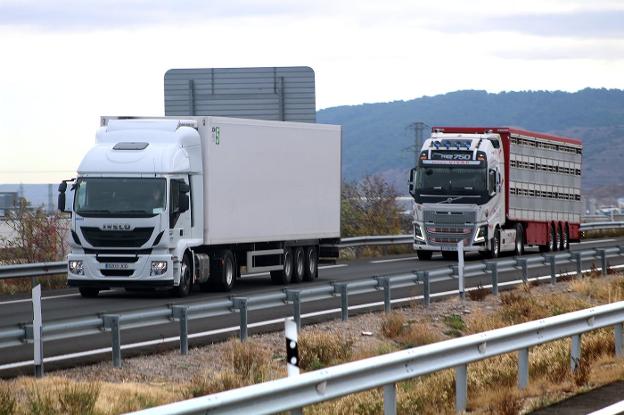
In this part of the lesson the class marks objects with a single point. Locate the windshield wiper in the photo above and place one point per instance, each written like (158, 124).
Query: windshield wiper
(452, 199)
(97, 211)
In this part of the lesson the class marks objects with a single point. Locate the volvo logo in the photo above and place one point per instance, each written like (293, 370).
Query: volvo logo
(116, 227)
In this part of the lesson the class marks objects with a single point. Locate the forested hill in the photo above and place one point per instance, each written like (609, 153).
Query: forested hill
(377, 138)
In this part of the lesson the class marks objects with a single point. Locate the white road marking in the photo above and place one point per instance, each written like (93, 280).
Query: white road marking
(382, 261)
(333, 266)
(594, 241)
(28, 300)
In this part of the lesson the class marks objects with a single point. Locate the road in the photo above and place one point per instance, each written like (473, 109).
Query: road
(67, 303)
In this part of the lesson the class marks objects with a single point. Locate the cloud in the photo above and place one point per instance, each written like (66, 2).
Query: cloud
(69, 15)
(576, 24)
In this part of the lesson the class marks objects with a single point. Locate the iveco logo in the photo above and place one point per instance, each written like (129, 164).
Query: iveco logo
(116, 227)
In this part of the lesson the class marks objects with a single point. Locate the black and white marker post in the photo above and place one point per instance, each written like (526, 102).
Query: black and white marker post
(460, 268)
(292, 353)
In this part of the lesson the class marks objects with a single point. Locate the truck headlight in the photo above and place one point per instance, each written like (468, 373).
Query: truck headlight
(76, 267)
(418, 233)
(158, 267)
(481, 233)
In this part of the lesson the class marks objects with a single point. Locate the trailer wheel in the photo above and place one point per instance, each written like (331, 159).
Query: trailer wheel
(565, 237)
(550, 246)
(311, 264)
(519, 239)
(88, 292)
(284, 276)
(424, 255)
(299, 264)
(186, 279)
(558, 237)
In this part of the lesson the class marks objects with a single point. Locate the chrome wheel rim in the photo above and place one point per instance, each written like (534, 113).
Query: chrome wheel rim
(229, 273)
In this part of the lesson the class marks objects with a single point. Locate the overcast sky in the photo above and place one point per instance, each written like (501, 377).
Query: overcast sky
(64, 63)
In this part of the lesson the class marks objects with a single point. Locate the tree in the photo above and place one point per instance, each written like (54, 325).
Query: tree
(369, 207)
(37, 236)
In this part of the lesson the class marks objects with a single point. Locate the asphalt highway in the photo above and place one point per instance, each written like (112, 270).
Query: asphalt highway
(67, 303)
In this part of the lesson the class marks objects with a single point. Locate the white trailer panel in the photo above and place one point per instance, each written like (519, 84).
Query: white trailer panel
(270, 181)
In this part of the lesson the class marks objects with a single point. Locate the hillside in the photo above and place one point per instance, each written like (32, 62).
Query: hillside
(377, 138)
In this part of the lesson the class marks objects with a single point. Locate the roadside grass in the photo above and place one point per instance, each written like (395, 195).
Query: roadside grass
(24, 285)
(491, 383)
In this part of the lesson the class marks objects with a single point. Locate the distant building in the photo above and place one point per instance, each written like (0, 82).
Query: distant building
(8, 202)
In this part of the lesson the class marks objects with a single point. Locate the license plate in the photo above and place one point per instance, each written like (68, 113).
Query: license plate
(116, 266)
(448, 248)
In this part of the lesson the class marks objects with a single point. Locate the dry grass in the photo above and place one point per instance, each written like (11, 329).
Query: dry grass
(491, 383)
(479, 294)
(318, 349)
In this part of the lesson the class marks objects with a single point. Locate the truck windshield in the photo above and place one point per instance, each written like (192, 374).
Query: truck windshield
(119, 197)
(451, 184)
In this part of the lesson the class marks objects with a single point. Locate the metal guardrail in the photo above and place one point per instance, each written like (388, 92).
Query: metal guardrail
(52, 268)
(182, 313)
(386, 370)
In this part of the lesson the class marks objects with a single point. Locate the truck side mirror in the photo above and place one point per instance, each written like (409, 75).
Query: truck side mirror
(492, 182)
(61, 197)
(412, 186)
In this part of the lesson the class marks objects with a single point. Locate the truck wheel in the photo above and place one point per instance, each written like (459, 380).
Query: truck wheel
(222, 271)
(88, 292)
(565, 238)
(550, 246)
(299, 265)
(519, 239)
(186, 279)
(558, 238)
(424, 255)
(311, 264)
(284, 276)
(494, 250)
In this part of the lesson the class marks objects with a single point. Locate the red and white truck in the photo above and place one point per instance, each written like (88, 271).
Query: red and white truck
(496, 189)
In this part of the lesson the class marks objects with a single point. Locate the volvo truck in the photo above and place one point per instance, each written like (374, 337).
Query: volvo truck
(495, 189)
(171, 203)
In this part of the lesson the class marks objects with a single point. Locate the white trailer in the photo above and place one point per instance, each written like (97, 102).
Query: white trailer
(173, 202)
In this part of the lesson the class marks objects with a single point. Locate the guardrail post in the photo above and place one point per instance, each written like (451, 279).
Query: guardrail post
(461, 388)
(294, 296)
(522, 263)
(577, 259)
(619, 327)
(553, 268)
(460, 282)
(603, 261)
(523, 368)
(384, 283)
(575, 353)
(390, 407)
(240, 304)
(342, 289)
(111, 322)
(424, 277)
(493, 268)
(180, 312)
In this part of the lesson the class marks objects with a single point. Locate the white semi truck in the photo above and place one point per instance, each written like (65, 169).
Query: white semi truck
(495, 189)
(173, 202)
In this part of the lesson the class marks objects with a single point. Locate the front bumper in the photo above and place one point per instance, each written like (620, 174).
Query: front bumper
(121, 270)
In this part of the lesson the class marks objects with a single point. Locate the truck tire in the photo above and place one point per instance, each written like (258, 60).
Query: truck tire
(299, 264)
(565, 237)
(222, 271)
(311, 263)
(519, 239)
(558, 237)
(186, 279)
(424, 255)
(284, 276)
(88, 292)
(494, 249)
(550, 246)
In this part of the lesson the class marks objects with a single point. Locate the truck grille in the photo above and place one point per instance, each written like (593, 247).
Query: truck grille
(449, 227)
(127, 239)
